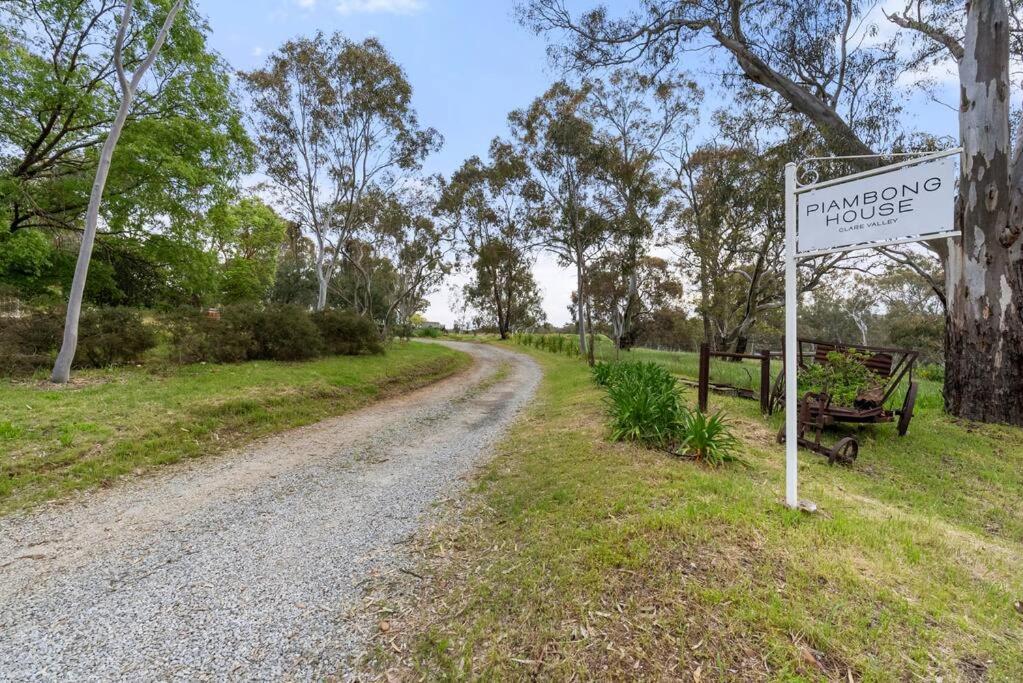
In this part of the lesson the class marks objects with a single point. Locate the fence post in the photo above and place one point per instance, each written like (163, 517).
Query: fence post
(703, 387)
(765, 381)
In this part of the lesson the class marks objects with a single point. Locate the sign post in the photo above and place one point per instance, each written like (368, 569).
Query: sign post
(909, 201)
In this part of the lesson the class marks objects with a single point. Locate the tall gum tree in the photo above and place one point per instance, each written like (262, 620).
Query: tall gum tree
(496, 208)
(335, 125)
(129, 85)
(843, 86)
(558, 142)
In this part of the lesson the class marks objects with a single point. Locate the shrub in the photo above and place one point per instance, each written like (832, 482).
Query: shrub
(931, 371)
(106, 336)
(243, 332)
(844, 377)
(284, 332)
(347, 334)
(428, 332)
(109, 336)
(29, 342)
(195, 336)
(645, 403)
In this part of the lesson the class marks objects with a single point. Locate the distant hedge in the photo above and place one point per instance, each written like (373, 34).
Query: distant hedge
(116, 336)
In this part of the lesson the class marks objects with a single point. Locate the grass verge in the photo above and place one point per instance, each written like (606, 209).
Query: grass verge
(577, 558)
(112, 423)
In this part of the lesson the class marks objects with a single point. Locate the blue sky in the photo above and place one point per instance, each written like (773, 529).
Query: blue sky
(470, 63)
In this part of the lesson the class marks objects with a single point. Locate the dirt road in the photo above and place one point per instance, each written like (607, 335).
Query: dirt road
(249, 565)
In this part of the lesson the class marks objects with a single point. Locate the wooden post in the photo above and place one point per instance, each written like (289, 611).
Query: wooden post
(765, 382)
(703, 387)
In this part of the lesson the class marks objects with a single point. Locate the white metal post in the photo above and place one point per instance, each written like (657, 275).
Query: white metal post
(791, 340)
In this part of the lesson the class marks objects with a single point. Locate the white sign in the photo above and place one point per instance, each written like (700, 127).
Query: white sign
(906, 202)
(909, 201)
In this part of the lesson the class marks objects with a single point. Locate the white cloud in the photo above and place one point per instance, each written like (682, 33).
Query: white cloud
(347, 7)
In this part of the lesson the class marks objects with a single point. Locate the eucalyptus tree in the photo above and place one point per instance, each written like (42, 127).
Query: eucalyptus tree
(129, 84)
(419, 248)
(335, 123)
(560, 146)
(496, 209)
(651, 284)
(814, 58)
(502, 291)
(635, 119)
(725, 222)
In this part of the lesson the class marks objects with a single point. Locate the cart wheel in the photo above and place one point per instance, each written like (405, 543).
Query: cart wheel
(906, 414)
(845, 451)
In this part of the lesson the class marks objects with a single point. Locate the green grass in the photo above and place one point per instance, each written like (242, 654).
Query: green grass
(111, 423)
(580, 558)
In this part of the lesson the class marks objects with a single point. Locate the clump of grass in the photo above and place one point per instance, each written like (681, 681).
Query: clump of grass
(708, 439)
(645, 405)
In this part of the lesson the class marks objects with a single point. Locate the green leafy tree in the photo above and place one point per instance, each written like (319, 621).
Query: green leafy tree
(418, 247)
(502, 291)
(335, 123)
(247, 235)
(636, 119)
(559, 144)
(650, 284)
(129, 85)
(496, 207)
(182, 143)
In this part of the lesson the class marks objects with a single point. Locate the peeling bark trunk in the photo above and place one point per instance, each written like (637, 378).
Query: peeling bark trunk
(984, 329)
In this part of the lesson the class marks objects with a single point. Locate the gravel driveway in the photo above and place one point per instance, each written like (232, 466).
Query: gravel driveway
(247, 566)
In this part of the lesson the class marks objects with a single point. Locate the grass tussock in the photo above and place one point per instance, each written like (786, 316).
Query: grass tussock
(576, 558)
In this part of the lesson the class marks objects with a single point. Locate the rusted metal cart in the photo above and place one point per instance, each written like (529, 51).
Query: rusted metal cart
(817, 412)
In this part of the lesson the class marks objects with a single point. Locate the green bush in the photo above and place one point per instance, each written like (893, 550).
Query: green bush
(428, 332)
(106, 336)
(931, 371)
(844, 377)
(111, 336)
(644, 402)
(29, 342)
(284, 332)
(195, 336)
(347, 334)
(243, 332)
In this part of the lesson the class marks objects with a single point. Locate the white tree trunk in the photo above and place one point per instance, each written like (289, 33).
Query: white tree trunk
(62, 367)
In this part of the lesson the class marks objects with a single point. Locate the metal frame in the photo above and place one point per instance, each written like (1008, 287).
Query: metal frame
(793, 188)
